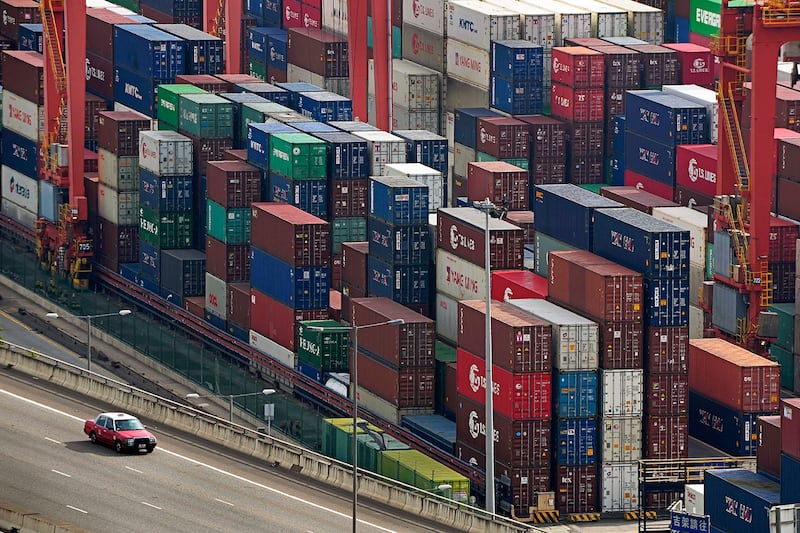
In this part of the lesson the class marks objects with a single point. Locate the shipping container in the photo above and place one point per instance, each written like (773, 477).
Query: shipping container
(348, 198)
(258, 142)
(297, 156)
(20, 153)
(406, 284)
(666, 301)
(118, 132)
(398, 200)
(347, 155)
(636, 198)
(120, 208)
(170, 193)
(403, 387)
(768, 445)
(666, 118)
(183, 272)
(290, 234)
(514, 284)
(238, 308)
(667, 349)
(147, 51)
(22, 116)
(117, 244)
(619, 485)
(575, 441)
(566, 212)
(577, 104)
(166, 230)
(327, 350)
(233, 183)
(310, 195)
(150, 264)
(165, 153)
(354, 264)
(461, 231)
(382, 148)
(307, 286)
(500, 182)
(666, 437)
(622, 392)
(667, 394)
(458, 278)
(738, 499)
(414, 468)
(318, 51)
(273, 349)
(729, 430)
(790, 427)
(230, 226)
(446, 315)
(468, 64)
(277, 321)
(428, 176)
(576, 489)
(578, 67)
(18, 12)
(620, 439)
(402, 244)
(575, 394)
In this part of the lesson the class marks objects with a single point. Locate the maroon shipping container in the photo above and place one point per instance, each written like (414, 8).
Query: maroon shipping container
(100, 31)
(239, 304)
(790, 427)
(588, 42)
(516, 442)
(206, 150)
(94, 106)
(768, 453)
(623, 66)
(659, 65)
(549, 170)
(689, 198)
(696, 63)
(335, 305)
(578, 67)
(595, 286)
(547, 136)
(234, 79)
(614, 103)
(275, 75)
(23, 74)
(16, 12)
(459, 186)
(409, 387)
(450, 395)
(636, 198)
(733, 376)
(523, 219)
(788, 159)
(354, 265)
(666, 437)
(585, 138)
(502, 137)
(787, 107)
(118, 131)
(278, 322)
(411, 344)
(195, 305)
(349, 198)
(667, 394)
(117, 244)
(290, 234)
(584, 169)
(500, 182)
(228, 262)
(667, 349)
(787, 192)
(207, 82)
(461, 231)
(336, 271)
(783, 281)
(520, 341)
(193, 20)
(576, 489)
(622, 345)
(235, 155)
(577, 105)
(100, 76)
(318, 51)
(233, 183)
(783, 235)
(661, 500)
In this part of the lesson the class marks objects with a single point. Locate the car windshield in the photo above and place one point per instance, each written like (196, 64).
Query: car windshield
(128, 424)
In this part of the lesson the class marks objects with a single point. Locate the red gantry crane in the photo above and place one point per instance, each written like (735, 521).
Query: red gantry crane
(216, 14)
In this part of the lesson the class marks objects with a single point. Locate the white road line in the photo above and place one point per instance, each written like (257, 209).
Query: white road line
(54, 441)
(223, 501)
(60, 473)
(76, 509)
(151, 505)
(133, 470)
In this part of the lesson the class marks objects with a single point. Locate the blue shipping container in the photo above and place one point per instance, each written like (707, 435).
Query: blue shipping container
(576, 441)
(238, 99)
(216, 321)
(681, 30)
(324, 106)
(517, 60)
(239, 332)
(258, 141)
(309, 370)
(203, 52)
(666, 118)
(257, 38)
(465, 127)
(407, 244)
(640, 242)
(278, 48)
(272, 12)
(435, 429)
(173, 193)
(297, 87)
(171, 297)
(650, 158)
(566, 212)
(405, 284)
(427, 148)
(518, 97)
(722, 427)
(398, 200)
(618, 135)
(790, 473)
(575, 394)
(347, 155)
(176, 8)
(134, 91)
(738, 500)
(615, 171)
(313, 127)
(30, 37)
(303, 287)
(265, 90)
(149, 52)
(149, 261)
(20, 153)
(130, 271)
(309, 195)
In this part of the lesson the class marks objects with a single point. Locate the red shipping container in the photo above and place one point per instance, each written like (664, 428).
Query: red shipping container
(239, 304)
(524, 220)
(235, 155)
(623, 66)
(277, 321)
(233, 79)
(636, 198)
(354, 265)
(195, 305)
(118, 131)
(786, 195)
(517, 284)
(783, 281)
(233, 183)
(595, 286)
(578, 67)
(228, 262)
(547, 136)
(292, 14)
(100, 31)
(582, 169)
(336, 271)
(667, 394)
(206, 150)
(576, 489)
(207, 82)
(461, 231)
(666, 437)
(23, 74)
(781, 134)
(290, 234)
(768, 453)
(696, 63)
(312, 16)
(450, 406)
(500, 182)
(276, 76)
(117, 244)
(516, 442)
(696, 167)
(94, 106)
(521, 396)
(335, 305)
(660, 65)
(783, 236)
(502, 137)
(787, 107)
(520, 341)
(790, 427)
(349, 197)
(733, 376)
(614, 105)
(621, 345)
(16, 12)
(585, 138)
(100, 76)
(411, 344)
(318, 51)
(667, 349)
(577, 105)
(545, 171)
(410, 387)
(634, 179)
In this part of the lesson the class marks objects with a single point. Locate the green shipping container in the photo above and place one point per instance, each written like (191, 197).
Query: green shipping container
(397, 39)
(704, 15)
(785, 338)
(348, 229)
(231, 226)
(169, 96)
(133, 5)
(593, 187)
(445, 353)
(327, 350)
(297, 156)
(258, 70)
(785, 358)
(207, 116)
(417, 469)
(709, 260)
(516, 161)
(166, 230)
(257, 112)
(336, 441)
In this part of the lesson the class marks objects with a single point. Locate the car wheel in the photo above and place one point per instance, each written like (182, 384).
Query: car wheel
(150, 450)
(118, 446)
(93, 437)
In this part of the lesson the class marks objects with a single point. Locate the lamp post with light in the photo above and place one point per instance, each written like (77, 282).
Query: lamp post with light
(88, 318)
(265, 392)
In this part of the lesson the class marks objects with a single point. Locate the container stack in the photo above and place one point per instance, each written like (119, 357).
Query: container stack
(261, 53)
(415, 97)
(100, 50)
(203, 52)
(289, 273)
(322, 352)
(522, 397)
(612, 296)
(516, 77)
(465, 146)
(547, 151)
(502, 138)
(319, 57)
(575, 363)
(298, 172)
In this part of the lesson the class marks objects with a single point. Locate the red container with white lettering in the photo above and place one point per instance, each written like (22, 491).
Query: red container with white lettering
(783, 236)
(508, 284)
(634, 179)
(312, 16)
(500, 182)
(462, 231)
(578, 67)
(503, 137)
(696, 63)
(579, 105)
(696, 167)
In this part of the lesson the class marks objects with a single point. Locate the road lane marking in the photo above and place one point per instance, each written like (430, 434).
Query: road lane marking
(53, 440)
(151, 505)
(76, 509)
(134, 470)
(60, 473)
(223, 501)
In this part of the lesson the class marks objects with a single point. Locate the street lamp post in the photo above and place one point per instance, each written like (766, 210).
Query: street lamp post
(265, 392)
(354, 380)
(88, 318)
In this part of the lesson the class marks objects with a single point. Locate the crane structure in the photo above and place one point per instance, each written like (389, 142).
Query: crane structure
(216, 14)
(744, 174)
(63, 247)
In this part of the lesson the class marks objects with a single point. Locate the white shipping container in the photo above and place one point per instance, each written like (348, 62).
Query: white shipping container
(22, 116)
(413, 86)
(120, 208)
(426, 14)
(467, 63)
(463, 94)
(575, 338)
(334, 16)
(607, 21)
(165, 153)
(462, 156)
(570, 22)
(644, 22)
(700, 95)
(479, 23)
(450, 130)
(620, 439)
(384, 148)
(338, 85)
(419, 119)
(20, 189)
(216, 297)
(18, 213)
(620, 487)
(446, 317)
(784, 518)
(694, 499)
(272, 349)
(119, 173)
(695, 322)
(424, 47)
(432, 178)
(458, 278)
(688, 219)
(696, 279)
(622, 392)
(538, 23)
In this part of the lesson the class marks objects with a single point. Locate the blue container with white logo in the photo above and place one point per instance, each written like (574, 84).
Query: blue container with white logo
(135, 91)
(165, 194)
(405, 284)
(738, 500)
(425, 147)
(303, 287)
(576, 441)
(347, 155)
(666, 301)
(324, 106)
(258, 141)
(148, 51)
(258, 40)
(726, 429)
(277, 50)
(203, 52)
(649, 158)
(566, 212)
(642, 243)
(30, 37)
(398, 200)
(254, 8)
(313, 127)
(615, 170)
(407, 244)
(297, 87)
(575, 394)
(309, 370)
(465, 128)
(20, 153)
(517, 60)
(265, 90)
(666, 118)
(518, 97)
(149, 261)
(309, 195)
(618, 135)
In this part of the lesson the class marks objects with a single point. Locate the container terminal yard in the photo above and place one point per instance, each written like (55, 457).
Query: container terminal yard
(528, 259)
